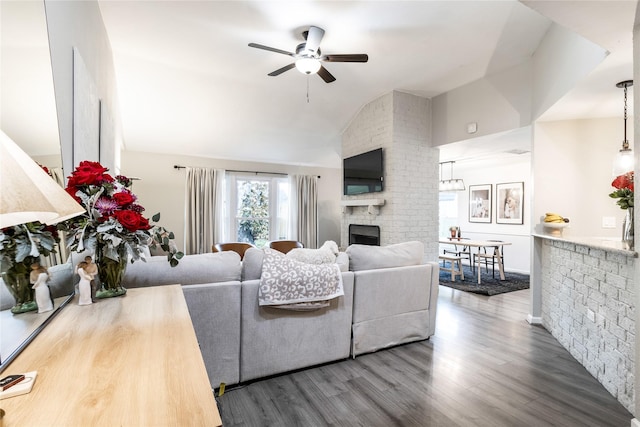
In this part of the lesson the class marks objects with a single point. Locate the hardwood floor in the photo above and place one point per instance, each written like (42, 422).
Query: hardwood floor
(485, 366)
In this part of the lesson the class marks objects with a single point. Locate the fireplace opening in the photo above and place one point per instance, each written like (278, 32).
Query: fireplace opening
(364, 234)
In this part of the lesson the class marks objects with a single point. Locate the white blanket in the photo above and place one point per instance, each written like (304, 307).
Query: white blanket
(294, 285)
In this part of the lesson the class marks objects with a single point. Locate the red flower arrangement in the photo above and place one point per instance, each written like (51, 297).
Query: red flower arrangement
(624, 190)
(113, 228)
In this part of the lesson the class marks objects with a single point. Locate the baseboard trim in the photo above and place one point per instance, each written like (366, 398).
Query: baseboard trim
(635, 422)
(538, 321)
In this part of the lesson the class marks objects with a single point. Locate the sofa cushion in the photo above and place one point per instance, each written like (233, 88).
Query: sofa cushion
(62, 279)
(252, 264)
(366, 257)
(343, 261)
(192, 270)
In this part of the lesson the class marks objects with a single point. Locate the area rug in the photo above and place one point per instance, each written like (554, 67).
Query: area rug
(489, 286)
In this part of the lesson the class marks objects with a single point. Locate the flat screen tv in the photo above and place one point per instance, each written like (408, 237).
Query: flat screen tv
(363, 173)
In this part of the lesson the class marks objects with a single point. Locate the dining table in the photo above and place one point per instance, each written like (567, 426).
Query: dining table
(479, 244)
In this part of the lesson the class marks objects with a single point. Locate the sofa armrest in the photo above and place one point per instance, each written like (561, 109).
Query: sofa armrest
(392, 291)
(394, 306)
(275, 340)
(215, 313)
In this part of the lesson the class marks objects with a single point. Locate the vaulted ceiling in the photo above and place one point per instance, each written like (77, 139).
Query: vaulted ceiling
(189, 84)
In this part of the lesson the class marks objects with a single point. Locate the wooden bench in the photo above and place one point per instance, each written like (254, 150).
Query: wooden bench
(454, 261)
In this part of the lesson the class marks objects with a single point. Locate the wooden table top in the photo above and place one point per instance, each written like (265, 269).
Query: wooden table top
(474, 243)
(125, 361)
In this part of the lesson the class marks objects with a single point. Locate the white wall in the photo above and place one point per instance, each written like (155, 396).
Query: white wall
(497, 103)
(161, 188)
(496, 171)
(562, 59)
(79, 25)
(514, 97)
(572, 165)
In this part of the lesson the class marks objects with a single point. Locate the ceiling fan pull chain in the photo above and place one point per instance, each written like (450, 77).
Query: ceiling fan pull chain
(307, 88)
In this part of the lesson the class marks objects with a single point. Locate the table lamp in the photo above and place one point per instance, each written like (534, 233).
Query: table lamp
(27, 192)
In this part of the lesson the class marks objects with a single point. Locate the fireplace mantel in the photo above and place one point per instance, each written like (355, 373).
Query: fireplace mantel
(373, 205)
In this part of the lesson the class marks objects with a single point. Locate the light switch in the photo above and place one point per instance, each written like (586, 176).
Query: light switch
(608, 222)
(472, 127)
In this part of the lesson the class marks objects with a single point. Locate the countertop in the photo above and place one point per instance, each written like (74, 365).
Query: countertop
(610, 244)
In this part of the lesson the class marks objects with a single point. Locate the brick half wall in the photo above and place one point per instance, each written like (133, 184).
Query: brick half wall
(588, 306)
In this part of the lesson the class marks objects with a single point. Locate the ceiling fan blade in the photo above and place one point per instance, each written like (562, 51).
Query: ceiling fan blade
(355, 57)
(326, 75)
(272, 49)
(314, 37)
(281, 70)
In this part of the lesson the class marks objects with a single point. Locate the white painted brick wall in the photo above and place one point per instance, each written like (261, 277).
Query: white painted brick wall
(588, 306)
(401, 124)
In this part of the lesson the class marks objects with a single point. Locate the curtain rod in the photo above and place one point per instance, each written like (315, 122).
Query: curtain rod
(240, 171)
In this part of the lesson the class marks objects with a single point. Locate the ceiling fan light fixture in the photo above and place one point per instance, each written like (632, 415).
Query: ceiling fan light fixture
(308, 65)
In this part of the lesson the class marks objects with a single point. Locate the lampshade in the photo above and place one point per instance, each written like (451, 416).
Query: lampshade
(623, 162)
(308, 65)
(27, 193)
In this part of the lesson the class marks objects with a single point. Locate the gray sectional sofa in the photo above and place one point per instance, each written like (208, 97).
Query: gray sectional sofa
(389, 298)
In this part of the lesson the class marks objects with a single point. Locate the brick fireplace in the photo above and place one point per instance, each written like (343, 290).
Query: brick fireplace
(407, 209)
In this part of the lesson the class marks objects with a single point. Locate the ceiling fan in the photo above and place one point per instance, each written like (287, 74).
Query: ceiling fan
(308, 56)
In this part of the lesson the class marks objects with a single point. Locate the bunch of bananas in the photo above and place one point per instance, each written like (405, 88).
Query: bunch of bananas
(554, 217)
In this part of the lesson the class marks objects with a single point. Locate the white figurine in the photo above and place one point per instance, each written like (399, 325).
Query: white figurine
(39, 277)
(92, 270)
(84, 286)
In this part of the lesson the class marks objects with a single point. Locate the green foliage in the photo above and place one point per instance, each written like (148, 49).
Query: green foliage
(254, 211)
(25, 243)
(624, 196)
(163, 238)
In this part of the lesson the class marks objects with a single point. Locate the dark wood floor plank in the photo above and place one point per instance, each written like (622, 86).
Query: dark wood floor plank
(485, 366)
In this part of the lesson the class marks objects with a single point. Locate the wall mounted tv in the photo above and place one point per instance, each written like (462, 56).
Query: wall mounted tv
(363, 173)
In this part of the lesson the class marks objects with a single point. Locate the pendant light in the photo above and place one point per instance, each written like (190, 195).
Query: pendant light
(623, 162)
(450, 184)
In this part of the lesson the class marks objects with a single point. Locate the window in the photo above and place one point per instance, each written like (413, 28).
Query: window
(259, 208)
(448, 212)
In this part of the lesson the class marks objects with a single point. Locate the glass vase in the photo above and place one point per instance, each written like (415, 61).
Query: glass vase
(16, 278)
(111, 273)
(627, 229)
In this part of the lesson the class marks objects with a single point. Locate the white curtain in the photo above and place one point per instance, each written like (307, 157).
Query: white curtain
(204, 207)
(304, 210)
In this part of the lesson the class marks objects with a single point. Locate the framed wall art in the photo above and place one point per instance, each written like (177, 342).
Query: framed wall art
(480, 203)
(509, 203)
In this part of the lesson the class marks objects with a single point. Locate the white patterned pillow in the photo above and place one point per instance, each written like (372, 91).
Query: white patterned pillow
(326, 254)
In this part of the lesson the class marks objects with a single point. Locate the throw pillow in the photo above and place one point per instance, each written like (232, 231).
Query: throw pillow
(325, 254)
